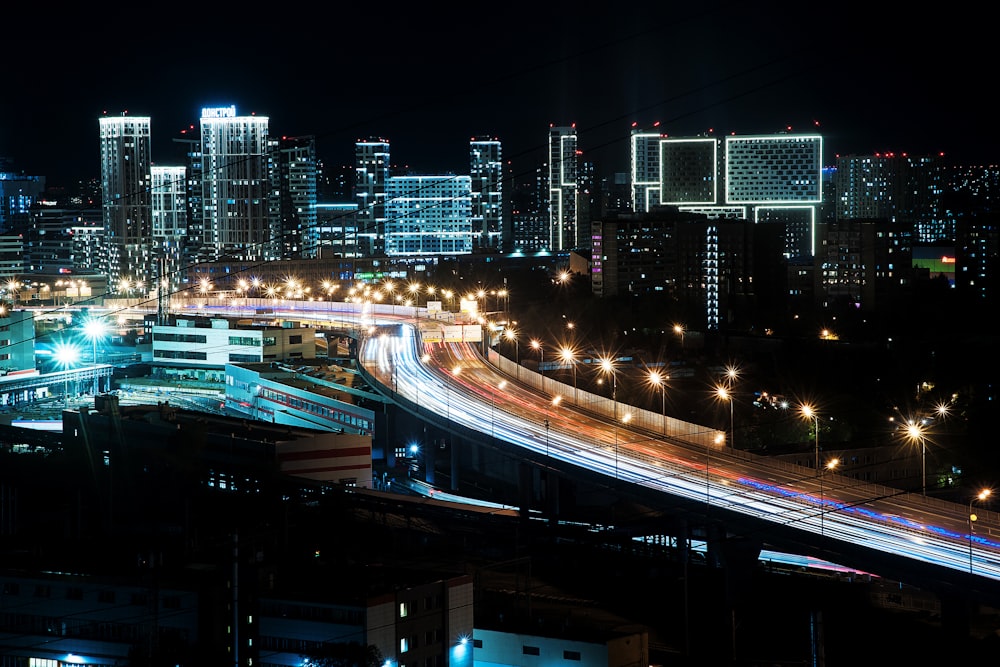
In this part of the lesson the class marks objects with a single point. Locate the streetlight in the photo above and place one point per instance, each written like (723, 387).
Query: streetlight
(830, 465)
(658, 379)
(982, 495)
(537, 345)
(626, 418)
(725, 395)
(608, 366)
(809, 413)
(66, 354)
(93, 329)
(915, 433)
(679, 330)
(511, 334)
(568, 355)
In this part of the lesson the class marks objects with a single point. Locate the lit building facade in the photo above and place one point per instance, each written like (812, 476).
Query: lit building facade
(899, 188)
(564, 225)
(234, 188)
(428, 215)
(371, 158)
(645, 165)
(293, 174)
(125, 183)
(170, 222)
(18, 193)
(486, 172)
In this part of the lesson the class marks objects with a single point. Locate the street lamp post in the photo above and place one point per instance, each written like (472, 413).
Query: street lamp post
(658, 379)
(809, 413)
(915, 432)
(67, 355)
(679, 330)
(512, 335)
(609, 367)
(726, 395)
(830, 465)
(982, 495)
(568, 355)
(537, 345)
(94, 329)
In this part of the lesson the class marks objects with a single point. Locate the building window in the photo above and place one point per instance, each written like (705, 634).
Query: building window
(571, 655)
(404, 609)
(404, 644)
(530, 650)
(477, 643)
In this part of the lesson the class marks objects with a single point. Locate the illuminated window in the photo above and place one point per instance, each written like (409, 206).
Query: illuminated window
(404, 645)
(404, 609)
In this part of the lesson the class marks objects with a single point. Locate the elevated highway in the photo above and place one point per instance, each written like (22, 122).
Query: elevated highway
(699, 490)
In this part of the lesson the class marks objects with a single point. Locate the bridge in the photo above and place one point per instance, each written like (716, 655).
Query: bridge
(495, 420)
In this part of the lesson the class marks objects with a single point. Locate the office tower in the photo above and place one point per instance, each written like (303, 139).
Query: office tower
(371, 159)
(125, 181)
(337, 231)
(170, 223)
(486, 170)
(65, 241)
(529, 224)
(564, 230)
(234, 188)
(18, 193)
(11, 257)
(428, 215)
(689, 172)
(895, 187)
(293, 173)
(863, 263)
(780, 177)
(645, 161)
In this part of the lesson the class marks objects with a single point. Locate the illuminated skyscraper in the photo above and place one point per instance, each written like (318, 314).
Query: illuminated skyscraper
(486, 170)
(234, 188)
(125, 181)
(293, 173)
(564, 225)
(170, 222)
(428, 215)
(645, 162)
(371, 159)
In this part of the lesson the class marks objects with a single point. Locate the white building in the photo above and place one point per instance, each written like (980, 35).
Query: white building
(234, 188)
(205, 345)
(170, 221)
(125, 183)
(564, 222)
(645, 148)
(486, 170)
(428, 215)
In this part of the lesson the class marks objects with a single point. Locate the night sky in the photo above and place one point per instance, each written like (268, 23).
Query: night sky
(427, 82)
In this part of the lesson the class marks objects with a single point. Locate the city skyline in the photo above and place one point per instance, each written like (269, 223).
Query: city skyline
(868, 86)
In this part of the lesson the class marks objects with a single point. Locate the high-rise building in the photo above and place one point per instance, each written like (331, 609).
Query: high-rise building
(529, 224)
(564, 228)
(774, 179)
(898, 188)
(486, 170)
(234, 188)
(18, 193)
(170, 222)
(371, 159)
(645, 154)
(428, 215)
(125, 181)
(293, 174)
